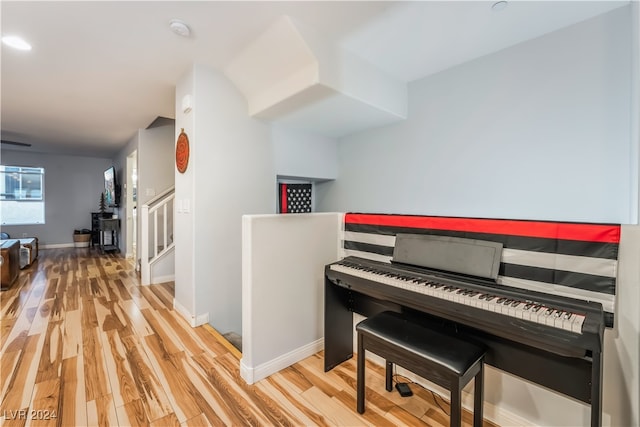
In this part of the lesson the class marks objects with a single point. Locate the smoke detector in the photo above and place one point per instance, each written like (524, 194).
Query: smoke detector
(180, 28)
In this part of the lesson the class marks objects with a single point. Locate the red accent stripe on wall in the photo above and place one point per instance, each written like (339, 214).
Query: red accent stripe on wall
(283, 198)
(551, 230)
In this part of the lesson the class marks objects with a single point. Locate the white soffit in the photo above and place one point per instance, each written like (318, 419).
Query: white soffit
(294, 76)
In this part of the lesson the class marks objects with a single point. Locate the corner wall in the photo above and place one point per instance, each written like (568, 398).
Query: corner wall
(230, 174)
(185, 288)
(282, 288)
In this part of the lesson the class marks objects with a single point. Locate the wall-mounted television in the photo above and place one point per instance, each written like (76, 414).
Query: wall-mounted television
(111, 188)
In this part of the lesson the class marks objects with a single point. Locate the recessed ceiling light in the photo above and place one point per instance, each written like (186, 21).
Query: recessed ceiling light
(499, 5)
(16, 42)
(180, 28)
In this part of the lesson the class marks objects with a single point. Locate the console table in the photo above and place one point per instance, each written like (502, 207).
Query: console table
(109, 225)
(95, 226)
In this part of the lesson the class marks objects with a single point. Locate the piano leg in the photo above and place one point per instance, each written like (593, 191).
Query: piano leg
(596, 389)
(338, 326)
(478, 398)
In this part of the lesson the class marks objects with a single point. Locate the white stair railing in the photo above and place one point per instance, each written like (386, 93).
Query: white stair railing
(155, 242)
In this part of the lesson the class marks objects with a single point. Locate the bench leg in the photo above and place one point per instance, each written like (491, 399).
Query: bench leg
(478, 397)
(360, 376)
(389, 376)
(455, 409)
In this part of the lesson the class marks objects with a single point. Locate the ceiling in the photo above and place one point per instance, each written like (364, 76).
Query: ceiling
(98, 71)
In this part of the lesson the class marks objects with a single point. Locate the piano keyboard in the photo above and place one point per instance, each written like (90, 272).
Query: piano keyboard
(521, 309)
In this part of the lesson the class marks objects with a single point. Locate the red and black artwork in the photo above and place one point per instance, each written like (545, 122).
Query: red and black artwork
(295, 198)
(578, 260)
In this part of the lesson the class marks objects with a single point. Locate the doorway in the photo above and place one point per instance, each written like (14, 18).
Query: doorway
(132, 209)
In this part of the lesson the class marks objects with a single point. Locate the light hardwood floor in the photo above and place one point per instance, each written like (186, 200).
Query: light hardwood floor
(83, 344)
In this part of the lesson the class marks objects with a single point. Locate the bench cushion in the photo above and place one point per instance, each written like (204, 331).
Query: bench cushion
(449, 352)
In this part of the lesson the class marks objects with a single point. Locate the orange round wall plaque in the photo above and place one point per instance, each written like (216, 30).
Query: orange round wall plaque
(182, 152)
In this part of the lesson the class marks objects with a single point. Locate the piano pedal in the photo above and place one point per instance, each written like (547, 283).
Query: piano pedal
(404, 389)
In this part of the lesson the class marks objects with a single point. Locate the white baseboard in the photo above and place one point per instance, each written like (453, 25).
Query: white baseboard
(191, 319)
(255, 374)
(246, 373)
(182, 311)
(163, 279)
(58, 246)
(202, 319)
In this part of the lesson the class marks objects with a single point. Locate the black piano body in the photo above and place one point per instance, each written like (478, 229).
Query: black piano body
(569, 362)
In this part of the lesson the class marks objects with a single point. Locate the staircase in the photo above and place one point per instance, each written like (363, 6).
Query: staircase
(157, 263)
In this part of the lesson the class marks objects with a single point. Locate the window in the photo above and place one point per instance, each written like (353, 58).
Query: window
(21, 195)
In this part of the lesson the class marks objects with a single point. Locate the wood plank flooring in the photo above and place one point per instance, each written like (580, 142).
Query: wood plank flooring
(83, 344)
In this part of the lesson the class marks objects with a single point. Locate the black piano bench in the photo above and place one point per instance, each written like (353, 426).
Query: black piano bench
(435, 356)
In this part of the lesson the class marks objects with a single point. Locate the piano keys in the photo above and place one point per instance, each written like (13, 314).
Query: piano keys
(518, 306)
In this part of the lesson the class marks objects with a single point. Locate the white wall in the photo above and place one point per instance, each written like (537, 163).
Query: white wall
(283, 288)
(301, 154)
(635, 96)
(185, 288)
(230, 174)
(72, 191)
(163, 270)
(622, 344)
(631, 303)
(539, 130)
(156, 157)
